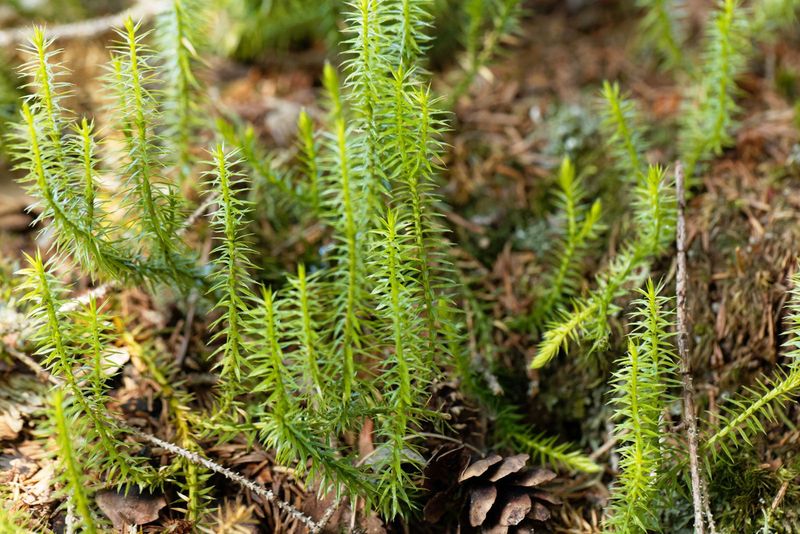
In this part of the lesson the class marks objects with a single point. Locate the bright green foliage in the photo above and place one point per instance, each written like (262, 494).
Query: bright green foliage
(148, 198)
(406, 27)
(650, 461)
(60, 165)
(270, 368)
(708, 119)
(582, 227)
(39, 149)
(411, 147)
(84, 146)
(487, 23)
(295, 434)
(661, 29)
(180, 33)
(370, 54)
(345, 209)
(546, 449)
(772, 15)
(625, 137)
(266, 181)
(406, 368)
(36, 157)
(48, 93)
(67, 431)
(639, 451)
(359, 337)
(654, 214)
(309, 158)
(69, 343)
(743, 416)
(304, 321)
(232, 279)
(640, 397)
(361, 330)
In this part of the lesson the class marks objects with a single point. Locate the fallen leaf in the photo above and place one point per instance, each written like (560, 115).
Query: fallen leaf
(131, 509)
(365, 443)
(10, 423)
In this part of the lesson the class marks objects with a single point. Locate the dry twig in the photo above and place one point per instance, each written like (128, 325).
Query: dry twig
(254, 487)
(85, 29)
(683, 351)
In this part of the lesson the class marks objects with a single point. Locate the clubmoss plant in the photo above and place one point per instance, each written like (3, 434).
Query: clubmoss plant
(69, 343)
(232, 280)
(640, 398)
(709, 117)
(581, 228)
(743, 416)
(180, 33)
(661, 29)
(67, 429)
(706, 129)
(654, 222)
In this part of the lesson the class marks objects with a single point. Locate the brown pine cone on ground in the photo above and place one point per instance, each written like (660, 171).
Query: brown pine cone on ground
(497, 495)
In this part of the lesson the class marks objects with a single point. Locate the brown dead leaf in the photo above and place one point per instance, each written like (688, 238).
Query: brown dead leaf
(10, 423)
(365, 440)
(131, 509)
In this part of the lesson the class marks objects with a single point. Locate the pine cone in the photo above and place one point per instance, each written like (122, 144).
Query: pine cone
(503, 495)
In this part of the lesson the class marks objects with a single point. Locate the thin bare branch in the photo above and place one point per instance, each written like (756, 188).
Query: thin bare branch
(323, 521)
(85, 29)
(254, 487)
(683, 351)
